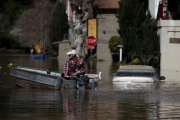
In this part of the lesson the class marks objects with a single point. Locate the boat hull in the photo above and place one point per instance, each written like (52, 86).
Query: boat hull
(38, 57)
(42, 56)
(27, 83)
(26, 77)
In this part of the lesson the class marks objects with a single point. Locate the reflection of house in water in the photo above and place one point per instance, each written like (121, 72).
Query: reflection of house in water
(167, 14)
(91, 67)
(78, 104)
(89, 105)
(34, 103)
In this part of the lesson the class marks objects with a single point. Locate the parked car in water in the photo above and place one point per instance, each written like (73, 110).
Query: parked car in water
(136, 73)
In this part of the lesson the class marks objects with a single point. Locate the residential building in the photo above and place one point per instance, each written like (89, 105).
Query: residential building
(107, 26)
(167, 14)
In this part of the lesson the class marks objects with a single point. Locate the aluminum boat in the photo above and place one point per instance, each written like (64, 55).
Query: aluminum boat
(30, 77)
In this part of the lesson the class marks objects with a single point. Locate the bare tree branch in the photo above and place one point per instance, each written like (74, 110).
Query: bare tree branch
(35, 24)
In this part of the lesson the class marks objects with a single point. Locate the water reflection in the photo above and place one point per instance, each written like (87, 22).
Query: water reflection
(91, 67)
(41, 103)
(78, 104)
(111, 100)
(67, 105)
(134, 86)
(34, 103)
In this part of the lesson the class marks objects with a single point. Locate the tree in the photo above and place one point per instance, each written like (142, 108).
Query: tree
(138, 31)
(126, 14)
(8, 41)
(35, 24)
(10, 12)
(130, 16)
(59, 24)
(150, 46)
(139, 19)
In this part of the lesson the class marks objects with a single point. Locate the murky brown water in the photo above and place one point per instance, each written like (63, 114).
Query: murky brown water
(110, 101)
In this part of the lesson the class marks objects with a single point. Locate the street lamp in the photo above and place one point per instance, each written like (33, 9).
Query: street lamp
(120, 52)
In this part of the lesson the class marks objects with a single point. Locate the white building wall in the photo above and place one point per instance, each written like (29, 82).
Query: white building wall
(170, 52)
(153, 7)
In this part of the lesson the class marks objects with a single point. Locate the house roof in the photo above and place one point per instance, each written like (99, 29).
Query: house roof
(108, 4)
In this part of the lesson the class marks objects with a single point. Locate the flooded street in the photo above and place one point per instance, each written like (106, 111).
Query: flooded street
(109, 101)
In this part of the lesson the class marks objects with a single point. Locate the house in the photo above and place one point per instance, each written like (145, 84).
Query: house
(167, 15)
(107, 26)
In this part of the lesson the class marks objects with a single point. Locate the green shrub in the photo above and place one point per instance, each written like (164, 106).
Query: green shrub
(113, 43)
(135, 62)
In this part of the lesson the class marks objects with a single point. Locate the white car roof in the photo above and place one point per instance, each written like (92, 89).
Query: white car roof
(136, 68)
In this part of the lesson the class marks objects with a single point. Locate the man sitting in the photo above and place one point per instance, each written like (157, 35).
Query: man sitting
(74, 65)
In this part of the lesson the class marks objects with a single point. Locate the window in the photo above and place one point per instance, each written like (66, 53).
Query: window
(141, 74)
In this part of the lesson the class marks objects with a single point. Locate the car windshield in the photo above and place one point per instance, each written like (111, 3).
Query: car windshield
(143, 74)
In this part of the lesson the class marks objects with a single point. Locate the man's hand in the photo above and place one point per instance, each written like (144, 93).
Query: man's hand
(65, 75)
(74, 74)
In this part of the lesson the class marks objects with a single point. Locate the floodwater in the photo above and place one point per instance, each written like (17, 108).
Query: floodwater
(109, 101)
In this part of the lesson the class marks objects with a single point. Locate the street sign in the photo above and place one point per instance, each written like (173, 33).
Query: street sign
(91, 47)
(91, 42)
(37, 47)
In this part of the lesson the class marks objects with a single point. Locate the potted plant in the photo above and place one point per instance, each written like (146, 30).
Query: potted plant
(113, 43)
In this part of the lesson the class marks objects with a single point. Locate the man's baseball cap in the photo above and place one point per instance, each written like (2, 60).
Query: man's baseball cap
(71, 52)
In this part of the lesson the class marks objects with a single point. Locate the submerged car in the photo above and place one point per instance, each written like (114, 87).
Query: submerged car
(136, 73)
